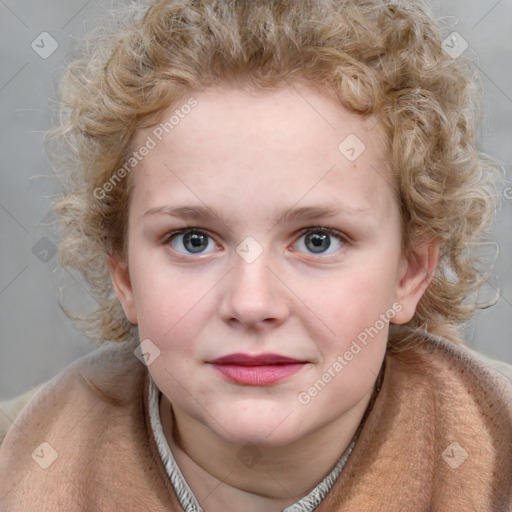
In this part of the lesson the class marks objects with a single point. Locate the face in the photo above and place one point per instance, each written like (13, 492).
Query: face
(262, 245)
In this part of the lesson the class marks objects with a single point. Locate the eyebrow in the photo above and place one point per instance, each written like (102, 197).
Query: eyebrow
(303, 213)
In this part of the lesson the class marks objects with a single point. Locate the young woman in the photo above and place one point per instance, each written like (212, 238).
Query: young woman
(272, 202)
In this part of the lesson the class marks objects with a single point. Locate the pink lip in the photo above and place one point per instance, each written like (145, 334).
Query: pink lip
(259, 370)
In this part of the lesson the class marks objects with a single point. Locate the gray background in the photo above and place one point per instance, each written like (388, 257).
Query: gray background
(36, 338)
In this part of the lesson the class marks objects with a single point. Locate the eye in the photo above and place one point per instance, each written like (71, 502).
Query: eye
(320, 240)
(190, 241)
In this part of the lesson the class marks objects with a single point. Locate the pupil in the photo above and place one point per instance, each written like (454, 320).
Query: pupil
(319, 242)
(195, 242)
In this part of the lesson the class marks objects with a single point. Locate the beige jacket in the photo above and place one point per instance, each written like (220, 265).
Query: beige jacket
(439, 438)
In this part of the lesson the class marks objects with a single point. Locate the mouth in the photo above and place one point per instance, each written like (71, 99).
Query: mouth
(256, 370)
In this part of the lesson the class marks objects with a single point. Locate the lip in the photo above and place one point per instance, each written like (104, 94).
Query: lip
(257, 370)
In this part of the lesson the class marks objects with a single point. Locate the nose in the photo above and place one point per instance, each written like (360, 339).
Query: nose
(253, 296)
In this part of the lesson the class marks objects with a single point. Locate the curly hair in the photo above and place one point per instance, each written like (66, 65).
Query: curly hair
(381, 57)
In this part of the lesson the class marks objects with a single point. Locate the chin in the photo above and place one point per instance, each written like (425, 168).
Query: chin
(260, 429)
(254, 438)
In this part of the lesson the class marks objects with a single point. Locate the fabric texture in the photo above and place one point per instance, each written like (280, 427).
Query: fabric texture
(9, 409)
(437, 439)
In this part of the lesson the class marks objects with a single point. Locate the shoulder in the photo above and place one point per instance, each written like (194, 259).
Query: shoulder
(442, 421)
(9, 409)
(100, 374)
(84, 434)
(458, 367)
(500, 366)
(456, 374)
(462, 366)
(469, 406)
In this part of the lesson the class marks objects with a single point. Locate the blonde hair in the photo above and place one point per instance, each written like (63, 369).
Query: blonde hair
(381, 57)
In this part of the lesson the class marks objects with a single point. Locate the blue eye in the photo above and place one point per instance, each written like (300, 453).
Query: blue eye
(190, 241)
(320, 241)
(316, 240)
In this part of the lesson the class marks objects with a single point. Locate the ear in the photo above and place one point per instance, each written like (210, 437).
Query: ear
(416, 273)
(121, 280)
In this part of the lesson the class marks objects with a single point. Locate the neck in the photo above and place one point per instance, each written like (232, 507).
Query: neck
(255, 478)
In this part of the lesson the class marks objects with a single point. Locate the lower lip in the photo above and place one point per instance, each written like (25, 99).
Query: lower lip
(258, 375)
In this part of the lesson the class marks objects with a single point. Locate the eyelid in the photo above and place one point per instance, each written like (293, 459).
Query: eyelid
(331, 231)
(343, 239)
(170, 235)
(182, 231)
(326, 229)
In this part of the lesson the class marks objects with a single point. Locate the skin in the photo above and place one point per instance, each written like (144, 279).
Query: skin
(249, 156)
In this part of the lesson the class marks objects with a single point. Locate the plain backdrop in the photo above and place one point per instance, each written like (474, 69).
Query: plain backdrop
(36, 338)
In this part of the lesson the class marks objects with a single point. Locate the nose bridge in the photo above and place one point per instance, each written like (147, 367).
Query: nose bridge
(253, 293)
(252, 274)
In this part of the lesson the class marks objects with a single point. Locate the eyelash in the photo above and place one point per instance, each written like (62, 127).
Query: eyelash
(168, 237)
(324, 229)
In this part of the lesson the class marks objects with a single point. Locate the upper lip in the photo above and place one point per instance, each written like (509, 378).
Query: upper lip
(254, 360)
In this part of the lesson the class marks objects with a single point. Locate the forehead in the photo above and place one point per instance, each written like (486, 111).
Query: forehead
(284, 145)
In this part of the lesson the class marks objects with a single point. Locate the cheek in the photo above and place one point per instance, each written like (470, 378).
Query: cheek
(171, 305)
(355, 298)
(354, 311)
